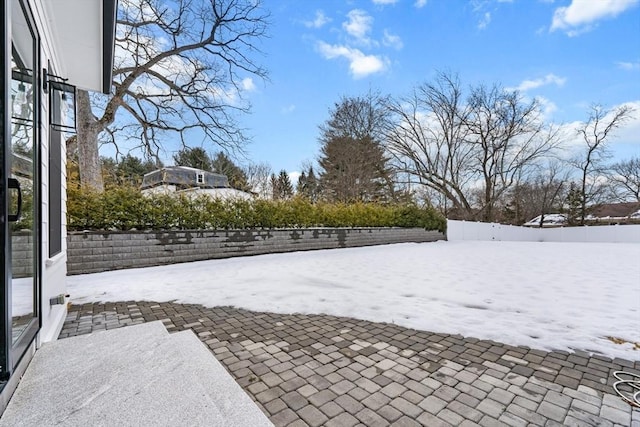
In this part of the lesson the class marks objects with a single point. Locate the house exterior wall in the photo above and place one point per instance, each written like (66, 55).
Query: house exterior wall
(53, 269)
(91, 252)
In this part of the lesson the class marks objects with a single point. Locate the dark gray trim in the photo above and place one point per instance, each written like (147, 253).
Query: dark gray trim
(55, 179)
(29, 334)
(5, 137)
(109, 14)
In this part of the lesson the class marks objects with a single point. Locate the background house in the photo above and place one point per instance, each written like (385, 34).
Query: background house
(190, 181)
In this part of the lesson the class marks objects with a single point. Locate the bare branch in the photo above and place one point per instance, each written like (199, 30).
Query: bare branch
(182, 68)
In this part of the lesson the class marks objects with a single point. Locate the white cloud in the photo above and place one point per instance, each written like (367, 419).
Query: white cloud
(629, 66)
(420, 3)
(384, 2)
(547, 106)
(581, 15)
(626, 135)
(248, 85)
(319, 21)
(485, 21)
(543, 81)
(293, 177)
(360, 65)
(288, 109)
(358, 25)
(392, 40)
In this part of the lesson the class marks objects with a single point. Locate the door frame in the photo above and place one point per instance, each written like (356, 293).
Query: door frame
(10, 352)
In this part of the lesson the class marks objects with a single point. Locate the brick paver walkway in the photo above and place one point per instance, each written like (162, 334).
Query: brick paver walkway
(320, 370)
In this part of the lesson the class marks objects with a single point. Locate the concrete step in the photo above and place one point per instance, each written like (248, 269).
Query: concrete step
(137, 375)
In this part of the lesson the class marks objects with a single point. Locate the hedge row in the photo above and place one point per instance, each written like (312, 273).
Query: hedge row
(126, 209)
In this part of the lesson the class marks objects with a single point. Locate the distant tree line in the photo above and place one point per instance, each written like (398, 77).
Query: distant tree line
(484, 153)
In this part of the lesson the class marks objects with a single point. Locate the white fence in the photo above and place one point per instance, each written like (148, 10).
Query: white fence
(463, 230)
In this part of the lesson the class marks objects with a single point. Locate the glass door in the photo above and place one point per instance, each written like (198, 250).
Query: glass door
(22, 150)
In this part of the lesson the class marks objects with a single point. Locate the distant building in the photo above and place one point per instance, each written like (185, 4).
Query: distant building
(608, 213)
(549, 220)
(629, 210)
(190, 181)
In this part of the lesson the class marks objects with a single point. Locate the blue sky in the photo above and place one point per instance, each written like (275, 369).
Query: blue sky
(567, 53)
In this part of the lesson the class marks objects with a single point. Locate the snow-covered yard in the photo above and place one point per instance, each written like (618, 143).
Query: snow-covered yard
(543, 295)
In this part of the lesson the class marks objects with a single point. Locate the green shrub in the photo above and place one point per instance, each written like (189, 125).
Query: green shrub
(125, 208)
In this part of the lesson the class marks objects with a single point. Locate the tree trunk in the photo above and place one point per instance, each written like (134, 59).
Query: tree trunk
(87, 139)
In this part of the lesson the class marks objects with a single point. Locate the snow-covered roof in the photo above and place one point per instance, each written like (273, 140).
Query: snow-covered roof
(549, 220)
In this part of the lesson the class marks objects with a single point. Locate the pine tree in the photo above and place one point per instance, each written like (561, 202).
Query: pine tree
(222, 164)
(195, 157)
(574, 202)
(286, 188)
(354, 170)
(353, 161)
(281, 186)
(308, 186)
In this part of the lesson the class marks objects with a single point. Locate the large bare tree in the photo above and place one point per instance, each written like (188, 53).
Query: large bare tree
(624, 180)
(472, 149)
(428, 140)
(181, 67)
(508, 137)
(594, 133)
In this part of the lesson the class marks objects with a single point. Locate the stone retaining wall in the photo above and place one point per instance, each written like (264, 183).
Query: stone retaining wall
(22, 254)
(91, 252)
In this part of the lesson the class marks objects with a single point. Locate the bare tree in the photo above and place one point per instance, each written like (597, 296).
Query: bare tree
(180, 68)
(471, 151)
(258, 178)
(624, 180)
(594, 133)
(427, 140)
(543, 193)
(508, 136)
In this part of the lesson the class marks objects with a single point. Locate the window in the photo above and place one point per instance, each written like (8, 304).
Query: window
(200, 178)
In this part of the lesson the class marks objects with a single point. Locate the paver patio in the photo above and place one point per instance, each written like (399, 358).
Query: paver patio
(321, 370)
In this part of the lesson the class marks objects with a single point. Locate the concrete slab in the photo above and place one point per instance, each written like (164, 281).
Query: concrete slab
(138, 375)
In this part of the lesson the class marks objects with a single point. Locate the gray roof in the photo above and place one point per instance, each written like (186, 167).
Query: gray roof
(184, 177)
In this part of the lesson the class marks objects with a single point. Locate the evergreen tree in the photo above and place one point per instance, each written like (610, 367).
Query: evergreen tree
(131, 169)
(353, 161)
(195, 157)
(308, 186)
(574, 203)
(354, 169)
(222, 164)
(128, 171)
(281, 187)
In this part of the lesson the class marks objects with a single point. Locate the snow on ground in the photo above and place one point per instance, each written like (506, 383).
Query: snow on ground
(543, 295)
